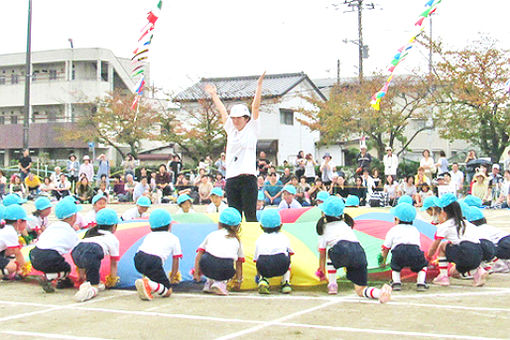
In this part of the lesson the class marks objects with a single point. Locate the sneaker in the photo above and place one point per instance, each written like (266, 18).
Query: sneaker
(65, 283)
(101, 287)
(219, 288)
(421, 287)
(396, 286)
(143, 289)
(46, 284)
(442, 280)
(286, 288)
(480, 277)
(466, 276)
(207, 286)
(385, 294)
(263, 286)
(333, 288)
(500, 267)
(86, 292)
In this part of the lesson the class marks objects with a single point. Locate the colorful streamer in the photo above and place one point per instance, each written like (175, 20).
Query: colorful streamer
(140, 54)
(403, 52)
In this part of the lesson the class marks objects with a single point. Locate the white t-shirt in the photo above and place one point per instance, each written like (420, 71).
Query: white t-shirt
(390, 164)
(8, 238)
(133, 214)
(37, 223)
(309, 169)
(335, 232)
(488, 232)
(457, 179)
(161, 244)
(108, 242)
(448, 231)
(180, 211)
(401, 234)
(89, 219)
(219, 244)
(272, 244)
(211, 208)
(445, 189)
(59, 236)
(241, 148)
(284, 205)
(327, 171)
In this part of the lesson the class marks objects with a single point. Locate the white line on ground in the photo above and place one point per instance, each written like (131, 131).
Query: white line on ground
(429, 305)
(48, 335)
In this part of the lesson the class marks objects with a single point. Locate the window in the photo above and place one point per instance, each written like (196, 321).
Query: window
(286, 117)
(14, 119)
(53, 74)
(14, 78)
(2, 80)
(2, 120)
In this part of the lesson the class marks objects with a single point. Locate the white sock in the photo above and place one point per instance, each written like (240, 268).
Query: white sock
(157, 287)
(331, 272)
(371, 293)
(286, 277)
(443, 265)
(5, 271)
(55, 276)
(422, 276)
(395, 276)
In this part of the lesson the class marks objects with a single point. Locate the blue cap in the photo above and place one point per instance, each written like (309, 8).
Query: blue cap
(143, 201)
(473, 201)
(107, 216)
(2, 210)
(447, 199)
(322, 196)
(290, 189)
(71, 198)
(270, 219)
(97, 198)
(42, 203)
(404, 212)
(464, 208)
(405, 199)
(474, 214)
(66, 208)
(11, 199)
(352, 201)
(159, 218)
(217, 191)
(230, 216)
(429, 202)
(334, 206)
(15, 212)
(260, 196)
(183, 198)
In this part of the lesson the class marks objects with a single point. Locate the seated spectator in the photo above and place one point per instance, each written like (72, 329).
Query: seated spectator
(504, 196)
(288, 201)
(260, 183)
(368, 181)
(480, 188)
(408, 188)
(338, 187)
(185, 203)
(55, 176)
(196, 179)
(217, 205)
(286, 176)
(17, 187)
(423, 194)
(391, 189)
(104, 190)
(142, 188)
(140, 211)
(129, 188)
(118, 186)
(3, 184)
(303, 196)
(378, 186)
(63, 188)
(317, 187)
(220, 181)
(204, 190)
(47, 187)
(273, 190)
(32, 183)
(444, 185)
(84, 190)
(421, 178)
(164, 180)
(359, 190)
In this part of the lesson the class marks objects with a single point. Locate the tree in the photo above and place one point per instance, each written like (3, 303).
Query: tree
(347, 113)
(471, 98)
(110, 120)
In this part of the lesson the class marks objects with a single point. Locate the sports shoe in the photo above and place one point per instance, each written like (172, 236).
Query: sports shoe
(286, 288)
(479, 277)
(385, 294)
(421, 287)
(101, 287)
(500, 266)
(442, 280)
(46, 284)
(263, 286)
(396, 286)
(65, 283)
(86, 292)
(207, 286)
(219, 288)
(143, 289)
(333, 288)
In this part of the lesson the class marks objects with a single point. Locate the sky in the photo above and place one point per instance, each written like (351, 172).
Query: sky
(204, 38)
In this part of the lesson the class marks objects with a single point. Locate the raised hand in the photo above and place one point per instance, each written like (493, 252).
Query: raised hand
(210, 89)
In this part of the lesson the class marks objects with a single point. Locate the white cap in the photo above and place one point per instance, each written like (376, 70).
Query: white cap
(495, 166)
(86, 157)
(240, 110)
(388, 148)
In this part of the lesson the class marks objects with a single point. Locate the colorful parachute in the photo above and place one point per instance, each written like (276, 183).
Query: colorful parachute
(299, 225)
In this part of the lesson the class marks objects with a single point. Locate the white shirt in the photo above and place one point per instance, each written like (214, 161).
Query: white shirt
(488, 232)
(448, 231)
(107, 241)
(161, 244)
(401, 234)
(444, 189)
(59, 236)
(309, 169)
(284, 205)
(89, 219)
(88, 170)
(8, 238)
(241, 148)
(390, 164)
(335, 232)
(457, 179)
(211, 208)
(180, 211)
(37, 223)
(272, 244)
(327, 171)
(133, 214)
(219, 244)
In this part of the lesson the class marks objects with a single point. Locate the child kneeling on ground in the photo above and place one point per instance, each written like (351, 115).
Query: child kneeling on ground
(272, 253)
(15, 219)
(217, 254)
(156, 247)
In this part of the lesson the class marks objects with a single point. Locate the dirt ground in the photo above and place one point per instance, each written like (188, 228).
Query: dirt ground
(459, 311)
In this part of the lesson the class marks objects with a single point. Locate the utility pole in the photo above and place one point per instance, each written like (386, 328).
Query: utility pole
(338, 71)
(28, 77)
(430, 47)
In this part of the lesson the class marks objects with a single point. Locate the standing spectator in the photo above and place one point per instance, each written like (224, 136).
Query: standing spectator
(142, 188)
(87, 169)
(3, 184)
(377, 181)
(221, 165)
(317, 187)
(364, 159)
(273, 190)
(84, 190)
(300, 164)
(470, 169)
(55, 176)
(391, 189)
(32, 183)
(164, 180)
(25, 163)
(427, 163)
(103, 168)
(457, 177)
(204, 190)
(129, 165)
(327, 168)
(175, 165)
(442, 163)
(309, 168)
(495, 182)
(390, 162)
(286, 176)
(360, 191)
(263, 164)
(303, 195)
(73, 168)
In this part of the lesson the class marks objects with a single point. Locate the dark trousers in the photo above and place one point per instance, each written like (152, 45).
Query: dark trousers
(242, 195)
(88, 256)
(48, 261)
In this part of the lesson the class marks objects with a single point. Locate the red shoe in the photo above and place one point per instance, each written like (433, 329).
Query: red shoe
(143, 289)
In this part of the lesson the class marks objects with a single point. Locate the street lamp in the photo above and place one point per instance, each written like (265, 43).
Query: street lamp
(28, 77)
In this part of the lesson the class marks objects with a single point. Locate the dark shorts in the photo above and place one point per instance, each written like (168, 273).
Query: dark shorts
(503, 248)
(48, 261)
(152, 267)
(88, 256)
(407, 255)
(466, 255)
(217, 268)
(488, 250)
(351, 256)
(273, 265)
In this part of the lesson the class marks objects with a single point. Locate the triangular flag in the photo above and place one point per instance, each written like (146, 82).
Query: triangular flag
(433, 11)
(429, 3)
(160, 4)
(392, 68)
(138, 72)
(146, 32)
(376, 106)
(426, 12)
(139, 53)
(419, 22)
(135, 102)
